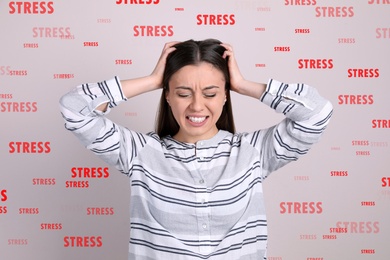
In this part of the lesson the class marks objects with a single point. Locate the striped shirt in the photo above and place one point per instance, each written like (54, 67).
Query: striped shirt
(202, 200)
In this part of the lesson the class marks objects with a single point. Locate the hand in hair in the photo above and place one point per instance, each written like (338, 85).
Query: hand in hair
(237, 82)
(236, 78)
(158, 71)
(137, 86)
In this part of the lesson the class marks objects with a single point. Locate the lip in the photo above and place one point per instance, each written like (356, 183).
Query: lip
(196, 124)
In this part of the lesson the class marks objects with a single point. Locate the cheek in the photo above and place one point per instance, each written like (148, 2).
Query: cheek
(216, 108)
(177, 110)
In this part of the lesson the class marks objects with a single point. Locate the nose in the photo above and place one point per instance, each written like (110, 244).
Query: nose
(197, 103)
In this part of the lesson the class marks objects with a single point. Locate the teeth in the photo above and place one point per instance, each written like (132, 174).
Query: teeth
(197, 119)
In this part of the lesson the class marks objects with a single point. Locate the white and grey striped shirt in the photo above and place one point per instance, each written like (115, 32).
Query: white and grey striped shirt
(203, 200)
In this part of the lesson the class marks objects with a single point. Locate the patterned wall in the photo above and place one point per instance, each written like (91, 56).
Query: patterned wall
(57, 201)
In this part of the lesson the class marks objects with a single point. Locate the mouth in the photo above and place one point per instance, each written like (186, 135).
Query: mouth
(197, 119)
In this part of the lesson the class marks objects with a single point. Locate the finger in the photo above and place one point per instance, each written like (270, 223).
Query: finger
(226, 54)
(228, 50)
(168, 48)
(169, 45)
(229, 54)
(227, 46)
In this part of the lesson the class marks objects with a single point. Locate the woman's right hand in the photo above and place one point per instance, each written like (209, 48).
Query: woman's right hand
(158, 71)
(137, 86)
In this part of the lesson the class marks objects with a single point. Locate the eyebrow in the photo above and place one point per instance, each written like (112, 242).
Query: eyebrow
(189, 88)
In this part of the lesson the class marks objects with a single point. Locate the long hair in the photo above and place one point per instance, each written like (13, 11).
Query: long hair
(191, 53)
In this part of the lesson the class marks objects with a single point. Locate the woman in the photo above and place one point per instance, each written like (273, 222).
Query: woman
(196, 185)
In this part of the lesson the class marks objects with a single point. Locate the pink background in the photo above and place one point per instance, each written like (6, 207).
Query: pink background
(39, 65)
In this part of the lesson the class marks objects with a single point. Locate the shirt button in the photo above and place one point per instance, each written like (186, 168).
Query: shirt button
(204, 226)
(201, 158)
(203, 201)
(201, 181)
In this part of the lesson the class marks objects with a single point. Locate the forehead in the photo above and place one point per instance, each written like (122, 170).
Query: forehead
(198, 75)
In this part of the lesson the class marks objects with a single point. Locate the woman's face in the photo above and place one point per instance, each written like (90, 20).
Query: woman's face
(196, 96)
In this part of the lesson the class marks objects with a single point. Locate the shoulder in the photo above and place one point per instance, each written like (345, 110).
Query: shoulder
(152, 137)
(254, 138)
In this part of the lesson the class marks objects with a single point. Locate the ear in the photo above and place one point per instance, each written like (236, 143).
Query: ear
(166, 93)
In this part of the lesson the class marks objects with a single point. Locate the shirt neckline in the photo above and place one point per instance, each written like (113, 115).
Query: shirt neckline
(219, 136)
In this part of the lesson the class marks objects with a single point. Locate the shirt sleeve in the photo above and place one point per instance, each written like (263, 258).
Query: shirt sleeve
(307, 116)
(113, 143)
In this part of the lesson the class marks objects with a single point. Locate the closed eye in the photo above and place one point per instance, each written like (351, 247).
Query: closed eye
(183, 95)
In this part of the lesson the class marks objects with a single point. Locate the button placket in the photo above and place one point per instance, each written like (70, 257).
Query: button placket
(204, 229)
(199, 152)
(203, 218)
(202, 199)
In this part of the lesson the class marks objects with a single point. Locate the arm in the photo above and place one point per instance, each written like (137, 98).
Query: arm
(137, 86)
(97, 133)
(84, 109)
(307, 115)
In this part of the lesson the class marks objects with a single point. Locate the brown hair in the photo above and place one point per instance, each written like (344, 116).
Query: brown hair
(191, 53)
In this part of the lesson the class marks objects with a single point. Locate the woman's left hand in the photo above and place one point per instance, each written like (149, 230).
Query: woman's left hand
(237, 81)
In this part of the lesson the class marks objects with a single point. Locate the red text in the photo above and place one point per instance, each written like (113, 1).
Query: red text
(385, 2)
(63, 76)
(77, 184)
(31, 7)
(215, 19)
(29, 147)
(91, 44)
(338, 230)
(356, 99)
(44, 181)
(100, 211)
(51, 32)
(361, 143)
(346, 40)
(87, 241)
(363, 153)
(136, 2)
(363, 73)
(302, 30)
(315, 63)
(123, 62)
(29, 211)
(362, 227)
(83, 172)
(17, 242)
(339, 173)
(282, 49)
(3, 195)
(300, 2)
(330, 11)
(30, 45)
(301, 207)
(368, 251)
(51, 226)
(368, 203)
(382, 33)
(381, 123)
(386, 182)
(155, 31)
